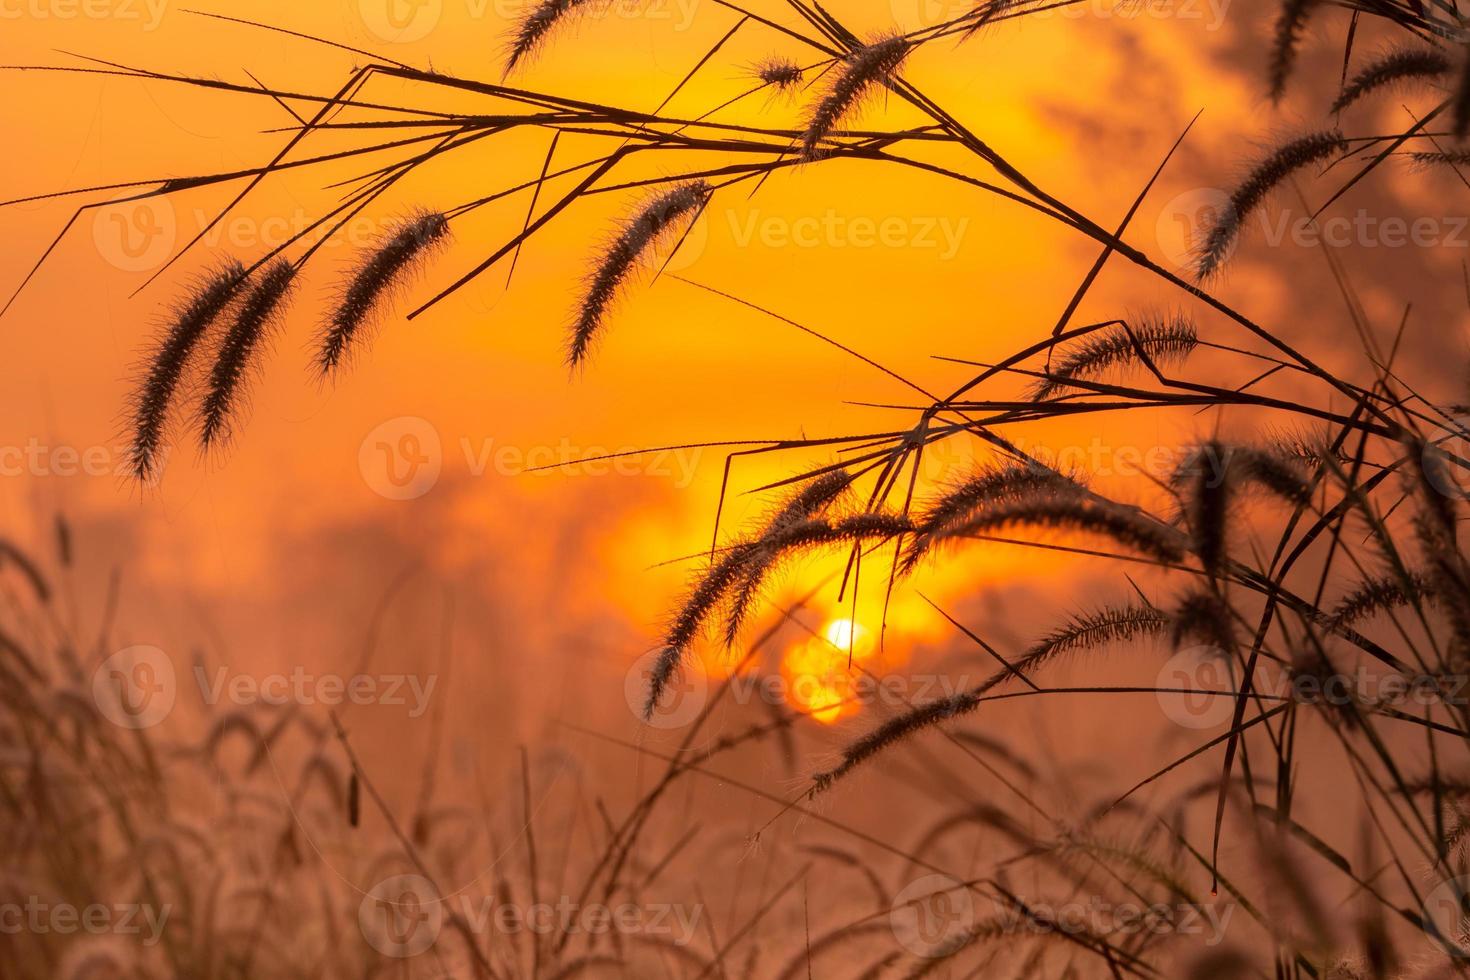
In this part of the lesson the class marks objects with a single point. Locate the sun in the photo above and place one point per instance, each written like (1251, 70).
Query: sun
(822, 671)
(842, 632)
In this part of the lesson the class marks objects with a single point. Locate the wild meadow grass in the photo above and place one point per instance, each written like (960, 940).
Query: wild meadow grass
(1325, 544)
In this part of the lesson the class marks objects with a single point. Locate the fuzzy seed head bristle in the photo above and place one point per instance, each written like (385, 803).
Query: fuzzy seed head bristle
(1167, 340)
(1428, 159)
(155, 394)
(1266, 176)
(812, 499)
(988, 487)
(1461, 119)
(657, 220)
(987, 13)
(1205, 618)
(688, 622)
(1069, 511)
(780, 73)
(1376, 596)
(864, 70)
(894, 731)
(534, 29)
(365, 292)
(1209, 479)
(1291, 24)
(1396, 66)
(259, 314)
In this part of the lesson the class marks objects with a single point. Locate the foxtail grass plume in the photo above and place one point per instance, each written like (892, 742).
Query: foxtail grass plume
(780, 73)
(864, 70)
(1206, 481)
(1205, 618)
(814, 497)
(155, 394)
(689, 621)
(1446, 570)
(365, 292)
(723, 575)
(1087, 631)
(1067, 510)
(988, 487)
(1107, 626)
(1448, 158)
(896, 730)
(1265, 177)
(1462, 95)
(1211, 476)
(1376, 596)
(259, 314)
(989, 12)
(1164, 341)
(658, 218)
(797, 537)
(535, 27)
(1291, 24)
(1395, 66)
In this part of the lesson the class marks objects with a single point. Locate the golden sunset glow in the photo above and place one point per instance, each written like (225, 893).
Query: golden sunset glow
(529, 489)
(822, 672)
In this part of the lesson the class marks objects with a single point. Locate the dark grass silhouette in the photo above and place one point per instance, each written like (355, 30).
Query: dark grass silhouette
(1312, 555)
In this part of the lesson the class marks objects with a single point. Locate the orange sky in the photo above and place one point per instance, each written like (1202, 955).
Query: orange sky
(1085, 104)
